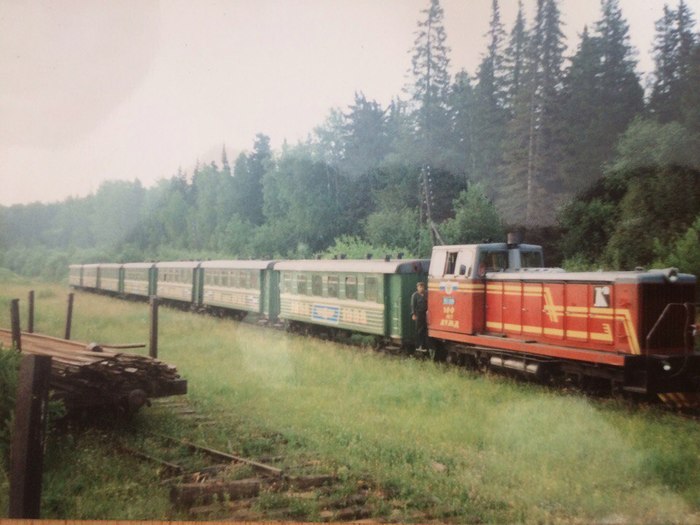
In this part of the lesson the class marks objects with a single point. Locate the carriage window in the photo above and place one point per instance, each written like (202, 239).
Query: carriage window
(371, 289)
(286, 282)
(254, 279)
(301, 284)
(316, 285)
(351, 287)
(332, 286)
(245, 279)
(451, 263)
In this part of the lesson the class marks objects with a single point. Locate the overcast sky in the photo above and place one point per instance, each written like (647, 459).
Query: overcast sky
(95, 91)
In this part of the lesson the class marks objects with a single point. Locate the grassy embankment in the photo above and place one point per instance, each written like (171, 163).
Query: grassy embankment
(433, 442)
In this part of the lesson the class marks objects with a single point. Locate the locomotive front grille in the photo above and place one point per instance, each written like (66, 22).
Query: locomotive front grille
(671, 332)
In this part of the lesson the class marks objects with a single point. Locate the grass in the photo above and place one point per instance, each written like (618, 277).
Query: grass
(433, 443)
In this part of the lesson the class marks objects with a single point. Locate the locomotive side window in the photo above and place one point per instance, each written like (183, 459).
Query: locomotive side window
(332, 286)
(451, 263)
(351, 287)
(316, 285)
(371, 289)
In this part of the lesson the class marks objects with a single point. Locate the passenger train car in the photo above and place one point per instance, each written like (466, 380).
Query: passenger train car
(364, 296)
(370, 297)
(490, 305)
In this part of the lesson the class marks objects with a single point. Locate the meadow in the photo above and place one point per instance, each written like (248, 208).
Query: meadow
(432, 443)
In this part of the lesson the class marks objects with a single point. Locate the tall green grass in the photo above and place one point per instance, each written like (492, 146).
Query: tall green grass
(435, 442)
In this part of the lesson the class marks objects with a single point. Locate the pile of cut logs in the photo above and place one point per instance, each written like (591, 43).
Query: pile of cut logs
(85, 375)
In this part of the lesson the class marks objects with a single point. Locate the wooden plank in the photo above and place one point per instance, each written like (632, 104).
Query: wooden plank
(223, 455)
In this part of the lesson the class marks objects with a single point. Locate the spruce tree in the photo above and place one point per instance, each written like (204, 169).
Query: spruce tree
(673, 46)
(431, 79)
(602, 95)
(514, 59)
(533, 150)
(462, 129)
(489, 114)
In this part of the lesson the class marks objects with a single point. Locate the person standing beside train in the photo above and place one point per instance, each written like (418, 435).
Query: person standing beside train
(419, 313)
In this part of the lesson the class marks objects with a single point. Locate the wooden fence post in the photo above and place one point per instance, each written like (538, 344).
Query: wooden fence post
(14, 321)
(27, 448)
(153, 346)
(30, 318)
(69, 316)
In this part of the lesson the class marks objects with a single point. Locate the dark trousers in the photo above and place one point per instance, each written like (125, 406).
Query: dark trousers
(421, 331)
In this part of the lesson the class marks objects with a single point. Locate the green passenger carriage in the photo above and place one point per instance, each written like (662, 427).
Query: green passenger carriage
(110, 278)
(138, 279)
(176, 281)
(366, 296)
(241, 286)
(90, 276)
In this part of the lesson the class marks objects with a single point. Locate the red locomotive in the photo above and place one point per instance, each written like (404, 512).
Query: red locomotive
(495, 305)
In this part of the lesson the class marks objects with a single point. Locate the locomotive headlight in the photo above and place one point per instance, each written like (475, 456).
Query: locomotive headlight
(666, 366)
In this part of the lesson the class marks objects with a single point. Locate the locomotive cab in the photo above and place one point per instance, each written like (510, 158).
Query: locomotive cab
(457, 279)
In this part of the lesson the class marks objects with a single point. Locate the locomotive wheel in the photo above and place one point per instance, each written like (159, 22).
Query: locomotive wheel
(453, 358)
(437, 353)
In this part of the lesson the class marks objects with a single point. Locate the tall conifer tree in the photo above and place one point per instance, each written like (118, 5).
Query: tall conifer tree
(533, 149)
(514, 59)
(431, 79)
(602, 95)
(673, 47)
(490, 116)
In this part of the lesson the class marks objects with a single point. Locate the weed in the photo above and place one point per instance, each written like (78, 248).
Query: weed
(437, 443)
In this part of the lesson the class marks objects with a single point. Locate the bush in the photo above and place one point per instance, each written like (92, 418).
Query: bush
(685, 252)
(9, 367)
(356, 248)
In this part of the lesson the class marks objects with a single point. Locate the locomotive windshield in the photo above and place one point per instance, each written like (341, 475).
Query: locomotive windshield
(492, 261)
(531, 259)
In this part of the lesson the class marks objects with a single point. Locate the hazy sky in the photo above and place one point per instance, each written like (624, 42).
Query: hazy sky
(92, 91)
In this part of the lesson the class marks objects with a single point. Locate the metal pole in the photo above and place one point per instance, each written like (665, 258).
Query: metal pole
(69, 316)
(153, 347)
(14, 320)
(27, 448)
(30, 320)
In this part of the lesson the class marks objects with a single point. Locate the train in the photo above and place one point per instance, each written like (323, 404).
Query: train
(490, 305)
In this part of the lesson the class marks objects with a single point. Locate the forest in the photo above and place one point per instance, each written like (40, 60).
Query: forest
(582, 154)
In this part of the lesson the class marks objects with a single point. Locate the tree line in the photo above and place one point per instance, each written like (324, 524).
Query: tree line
(570, 148)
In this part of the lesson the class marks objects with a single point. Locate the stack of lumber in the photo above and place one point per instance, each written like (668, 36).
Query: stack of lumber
(84, 375)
